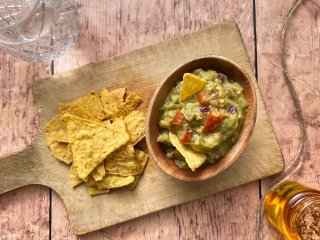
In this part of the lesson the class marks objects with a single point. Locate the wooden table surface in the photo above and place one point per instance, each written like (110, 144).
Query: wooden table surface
(113, 27)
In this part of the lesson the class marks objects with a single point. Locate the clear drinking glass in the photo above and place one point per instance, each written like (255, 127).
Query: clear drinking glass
(38, 30)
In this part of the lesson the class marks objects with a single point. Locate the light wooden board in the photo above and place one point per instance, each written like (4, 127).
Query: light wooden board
(140, 71)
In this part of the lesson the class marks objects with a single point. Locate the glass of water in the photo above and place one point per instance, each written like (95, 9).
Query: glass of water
(38, 30)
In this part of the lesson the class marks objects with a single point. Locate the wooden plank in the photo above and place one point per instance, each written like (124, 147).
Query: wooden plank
(121, 26)
(24, 213)
(303, 61)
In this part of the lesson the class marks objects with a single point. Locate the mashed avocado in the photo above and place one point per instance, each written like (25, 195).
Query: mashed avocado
(209, 121)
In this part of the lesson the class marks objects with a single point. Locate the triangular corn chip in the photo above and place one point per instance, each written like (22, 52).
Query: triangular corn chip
(190, 85)
(136, 126)
(111, 105)
(123, 162)
(194, 159)
(115, 104)
(59, 150)
(131, 103)
(91, 143)
(113, 181)
(76, 110)
(143, 159)
(99, 172)
(75, 180)
(90, 104)
(56, 128)
(119, 94)
(94, 190)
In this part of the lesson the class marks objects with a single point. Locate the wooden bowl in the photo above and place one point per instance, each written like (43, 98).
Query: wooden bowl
(233, 71)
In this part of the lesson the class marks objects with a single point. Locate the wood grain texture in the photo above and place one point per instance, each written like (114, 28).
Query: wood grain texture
(24, 213)
(142, 71)
(129, 25)
(303, 60)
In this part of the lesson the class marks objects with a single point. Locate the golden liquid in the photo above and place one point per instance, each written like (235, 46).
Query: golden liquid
(283, 206)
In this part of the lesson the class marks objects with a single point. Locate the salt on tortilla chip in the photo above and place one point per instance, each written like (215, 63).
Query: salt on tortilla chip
(91, 143)
(59, 150)
(136, 126)
(123, 162)
(89, 104)
(99, 172)
(143, 159)
(194, 159)
(94, 190)
(75, 180)
(56, 128)
(113, 181)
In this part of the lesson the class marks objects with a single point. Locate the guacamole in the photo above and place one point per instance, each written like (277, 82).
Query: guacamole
(207, 120)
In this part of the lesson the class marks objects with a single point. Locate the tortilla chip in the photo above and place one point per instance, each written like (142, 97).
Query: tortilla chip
(94, 190)
(194, 159)
(119, 94)
(143, 159)
(136, 126)
(134, 184)
(123, 162)
(90, 181)
(76, 110)
(56, 126)
(85, 179)
(90, 104)
(75, 180)
(59, 150)
(107, 122)
(93, 136)
(111, 106)
(99, 172)
(113, 181)
(91, 143)
(190, 85)
(115, 104)
(119, 125)
(57, 129)
(131, 103)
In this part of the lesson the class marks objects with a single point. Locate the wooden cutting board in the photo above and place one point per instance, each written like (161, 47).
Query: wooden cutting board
(140, 71)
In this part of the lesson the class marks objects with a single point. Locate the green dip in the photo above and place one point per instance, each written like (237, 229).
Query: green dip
(208, 121)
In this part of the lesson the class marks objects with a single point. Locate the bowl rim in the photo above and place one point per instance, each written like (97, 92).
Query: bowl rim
(246, 139)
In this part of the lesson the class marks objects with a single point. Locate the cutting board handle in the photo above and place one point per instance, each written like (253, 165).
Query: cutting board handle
(17, 169)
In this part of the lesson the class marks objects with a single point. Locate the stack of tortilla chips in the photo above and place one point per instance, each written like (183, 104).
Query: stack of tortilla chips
(96, 135)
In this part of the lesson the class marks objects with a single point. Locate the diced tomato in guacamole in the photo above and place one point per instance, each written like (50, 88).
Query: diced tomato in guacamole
(209, 121)
(178, 118)
(211, 124)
